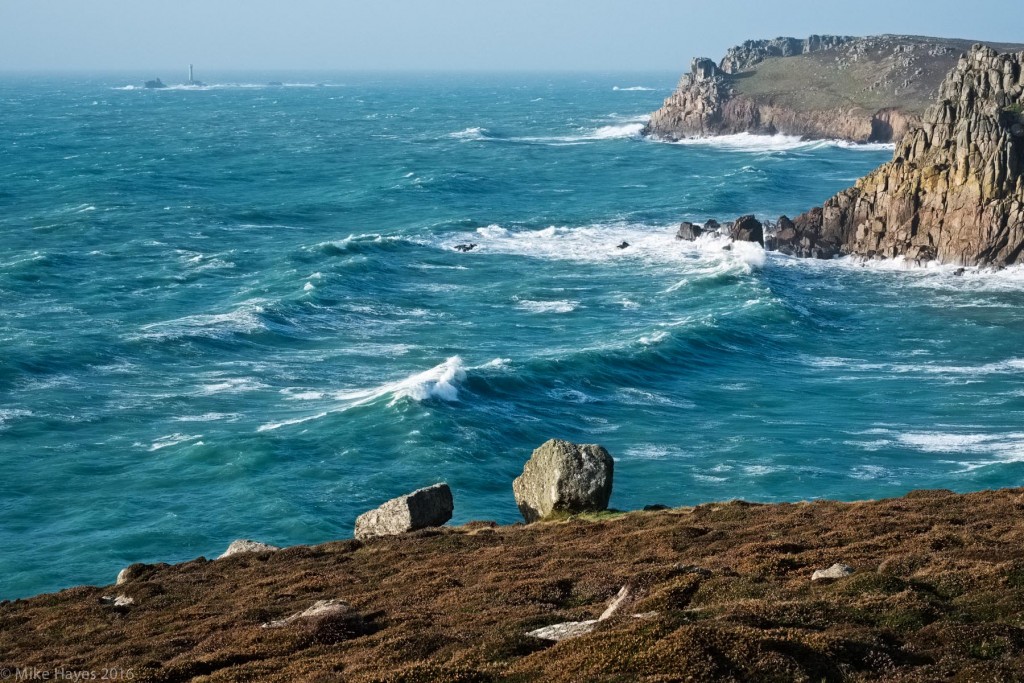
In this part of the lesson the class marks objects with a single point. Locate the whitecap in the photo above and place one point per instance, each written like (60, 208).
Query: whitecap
(243, 320)
(654, 338)
(475, 133)
(754, 143)
(173, 440)
(633, 88)
(440, 382)
(231, 385)
(563, 306)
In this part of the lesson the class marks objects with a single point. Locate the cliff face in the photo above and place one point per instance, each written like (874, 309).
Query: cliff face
(871, 89)
(954, 191)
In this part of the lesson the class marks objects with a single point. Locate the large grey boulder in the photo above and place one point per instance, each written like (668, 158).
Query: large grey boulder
(565, 477)
(420, 509)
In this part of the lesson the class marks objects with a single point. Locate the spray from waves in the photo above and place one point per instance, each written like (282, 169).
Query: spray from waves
(752, 143)
(633, 88)
(440, 382)
(927, 275)
(245, 319)
(627, 129)
(600, 243)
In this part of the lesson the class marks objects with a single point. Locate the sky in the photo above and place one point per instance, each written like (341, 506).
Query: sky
(449, 35)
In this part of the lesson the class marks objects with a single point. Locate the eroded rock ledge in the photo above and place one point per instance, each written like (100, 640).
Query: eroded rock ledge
(872, 89)
(954, 191)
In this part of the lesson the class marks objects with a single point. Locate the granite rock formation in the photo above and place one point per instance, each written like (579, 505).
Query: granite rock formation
(427, 507)
(872, 89)
(564, 477)
(954, 191)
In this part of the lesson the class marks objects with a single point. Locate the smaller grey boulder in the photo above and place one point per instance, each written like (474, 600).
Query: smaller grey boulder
(564, 631)
(836, 571)
(688, 231)
(564, 477)
(117, 602)
(244, 545)
(123, 576)
(427, 507)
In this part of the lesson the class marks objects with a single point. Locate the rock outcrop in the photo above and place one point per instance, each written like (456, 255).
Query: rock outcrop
(872, 89)
(564, 477)
(747, 229)
(427, 507)
(244, 545)
(954, 191)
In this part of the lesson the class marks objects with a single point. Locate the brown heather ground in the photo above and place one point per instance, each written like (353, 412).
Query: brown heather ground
(938, 595)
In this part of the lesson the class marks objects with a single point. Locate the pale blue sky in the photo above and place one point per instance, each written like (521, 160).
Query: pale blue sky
(96, 35)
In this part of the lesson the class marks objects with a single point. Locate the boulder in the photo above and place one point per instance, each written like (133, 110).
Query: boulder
(244, 545)
(320, 609)
(564, 477)
(747, 229)
(427, 507)
(564, 631)
(836, 571)
(712, 225)
(688, 231)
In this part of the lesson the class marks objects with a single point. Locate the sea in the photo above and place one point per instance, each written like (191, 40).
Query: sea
(237, 311)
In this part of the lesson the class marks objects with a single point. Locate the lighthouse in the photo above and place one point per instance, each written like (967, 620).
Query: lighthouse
(191, 80)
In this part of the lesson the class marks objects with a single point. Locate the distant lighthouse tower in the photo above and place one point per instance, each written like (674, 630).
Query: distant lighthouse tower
(191, 80)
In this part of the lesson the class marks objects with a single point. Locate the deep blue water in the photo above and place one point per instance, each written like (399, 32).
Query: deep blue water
(236, 312)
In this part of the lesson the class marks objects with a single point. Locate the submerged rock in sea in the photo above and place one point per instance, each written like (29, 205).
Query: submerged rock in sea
(564, 477)
(243, 545)
(747, 229)
(426, 507)
(688, 231)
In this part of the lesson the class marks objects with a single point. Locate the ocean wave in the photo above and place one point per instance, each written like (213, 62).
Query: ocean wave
(628, 129)
(633, 88)
(750, 142)
(1010, 366)
(245, 319)
(8, 415)
(563, 306)
(998, 448)
(710, 255)
(441, 382)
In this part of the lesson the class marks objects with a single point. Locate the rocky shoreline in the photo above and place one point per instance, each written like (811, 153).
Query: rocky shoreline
(953, 193)
(872, 89)
(925, 587)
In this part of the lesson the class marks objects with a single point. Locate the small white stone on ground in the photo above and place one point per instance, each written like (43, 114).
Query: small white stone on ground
(320, 608)
(836, 571)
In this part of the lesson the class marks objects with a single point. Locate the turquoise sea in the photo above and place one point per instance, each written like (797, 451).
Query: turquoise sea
(236, 311)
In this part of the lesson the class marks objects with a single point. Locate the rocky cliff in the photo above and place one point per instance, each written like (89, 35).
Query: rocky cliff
(870, 89)
(954, 191)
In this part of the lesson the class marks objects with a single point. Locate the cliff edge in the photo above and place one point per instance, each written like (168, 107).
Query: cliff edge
(872, 89)
(954, 191)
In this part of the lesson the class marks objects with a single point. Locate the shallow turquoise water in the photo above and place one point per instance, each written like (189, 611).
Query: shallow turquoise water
(237, 312)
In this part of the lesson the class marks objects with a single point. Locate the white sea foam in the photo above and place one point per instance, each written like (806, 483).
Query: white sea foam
(653, 245)
(653, 338)
(440, 382)
(1009, 366)
(243, 320)
(749, 142)
(475, 133)
(8, 415)
(633, 88)
(564, 306)
(231, 385)
(988, 448)
(649, 451)
(173, 440)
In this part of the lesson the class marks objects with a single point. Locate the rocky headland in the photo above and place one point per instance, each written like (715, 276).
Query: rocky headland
(953, 193)
(925, 587)
(871, 89)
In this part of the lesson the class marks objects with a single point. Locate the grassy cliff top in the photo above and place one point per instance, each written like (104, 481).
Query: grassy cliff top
(870, 73)
(937, 594)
